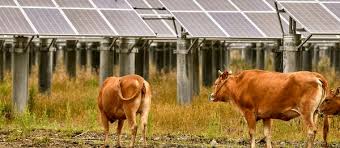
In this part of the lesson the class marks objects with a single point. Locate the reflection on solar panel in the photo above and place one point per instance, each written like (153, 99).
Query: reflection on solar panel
(88, 22)
(121, 4)
(268, 23)
(198, 24)
(49, 21)
(181, 5)
(313, 17)
(159, 28)
(129, 23)
(13, 22)
(236, 25)
(74, 3)
(252, 5)
(42, 3)
(216, 5)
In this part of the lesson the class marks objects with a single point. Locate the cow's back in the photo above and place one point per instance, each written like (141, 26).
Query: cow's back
(271, 93)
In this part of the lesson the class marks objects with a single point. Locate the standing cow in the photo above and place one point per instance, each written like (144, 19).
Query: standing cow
(123, 98)
(262, 95)
(331, 106)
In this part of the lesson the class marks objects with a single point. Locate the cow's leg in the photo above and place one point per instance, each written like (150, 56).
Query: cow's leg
(105, 123)
(267, 131)
(325, 129)
(119, 131)
(131, 116)
(251, 120)
(144, 121)
(311, 129)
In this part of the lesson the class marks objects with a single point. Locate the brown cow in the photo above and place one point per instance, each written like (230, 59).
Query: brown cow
(331, 106)
(262, 95)
(122, 98)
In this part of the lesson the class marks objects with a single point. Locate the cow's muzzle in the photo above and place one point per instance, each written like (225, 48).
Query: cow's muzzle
(211, 97)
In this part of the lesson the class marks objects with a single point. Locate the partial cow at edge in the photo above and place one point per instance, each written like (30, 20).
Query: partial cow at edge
(330, 107)
(263, 95)
(122, 98)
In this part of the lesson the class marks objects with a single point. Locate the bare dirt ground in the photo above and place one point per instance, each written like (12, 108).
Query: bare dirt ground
(55, 138)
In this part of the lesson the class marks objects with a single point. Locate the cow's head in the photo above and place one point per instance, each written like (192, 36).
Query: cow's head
(331, 105)
(220, 87)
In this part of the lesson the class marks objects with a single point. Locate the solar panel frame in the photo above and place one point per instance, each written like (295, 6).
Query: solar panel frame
(311, 10)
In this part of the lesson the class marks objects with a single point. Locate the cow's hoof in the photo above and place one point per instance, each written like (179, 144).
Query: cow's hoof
(107, 146)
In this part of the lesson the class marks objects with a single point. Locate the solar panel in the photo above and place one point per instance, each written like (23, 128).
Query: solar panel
(121, 4)
(49, 21)
(13, 22)
(129, 24)
(313, 17)
(268, 23)
(74, 3)
(88, 22)
(198, 24)
(157, 4)
(334, 8)
(7, 3)
(236, 25)
(181, 5)
(252, 5)
(41, 3)
(159, 28)
(140, 4)
(216, 5)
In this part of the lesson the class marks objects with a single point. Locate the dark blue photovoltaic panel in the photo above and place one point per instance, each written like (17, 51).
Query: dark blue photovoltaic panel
(13, 22)
(37, 3)
(49, 21)
(88, 22)
(129, 24)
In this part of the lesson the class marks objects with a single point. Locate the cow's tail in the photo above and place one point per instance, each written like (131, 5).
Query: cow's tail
(137, 92)
(100, 105)
(325, 88)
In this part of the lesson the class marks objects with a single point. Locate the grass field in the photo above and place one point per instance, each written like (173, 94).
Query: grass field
(71, 108)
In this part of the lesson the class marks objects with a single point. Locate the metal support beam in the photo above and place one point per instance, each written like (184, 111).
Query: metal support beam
(2, 66)
(71, 66)
(260, 51)
(307, 55)
(106, 62)
(337, 59)
(20, 58)
(316, 57)
(278, 56)
(195, 69)
(45, 65)
(184, 88)
(127, 56)
(207, 63)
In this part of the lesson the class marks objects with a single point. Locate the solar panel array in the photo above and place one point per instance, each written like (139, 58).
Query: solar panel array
(71, 18)
(137, 18)
(316, 16)
(226, 18)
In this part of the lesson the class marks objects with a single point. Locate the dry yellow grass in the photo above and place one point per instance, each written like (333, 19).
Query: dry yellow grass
(72, 106)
